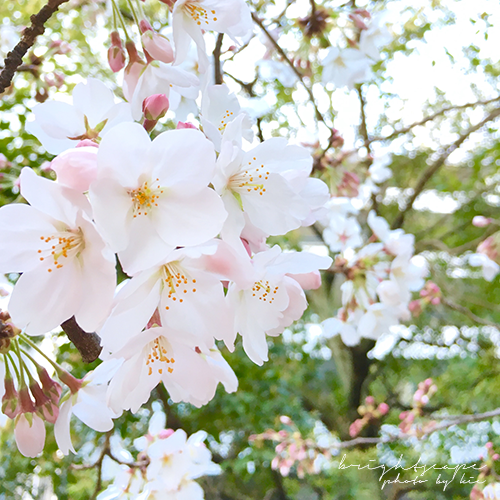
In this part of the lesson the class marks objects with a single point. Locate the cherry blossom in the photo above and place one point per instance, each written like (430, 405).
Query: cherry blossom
(190, 374)
(93, 113)
(67, 268)
(151, 197)
(191, 17)
(346, 67)
(274, 300)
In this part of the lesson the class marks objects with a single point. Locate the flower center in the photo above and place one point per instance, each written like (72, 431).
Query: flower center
(198, 13)
(157, 357)
(146, 197)
(177, 283)
(60, 247)
(264, 291)
(248, 181)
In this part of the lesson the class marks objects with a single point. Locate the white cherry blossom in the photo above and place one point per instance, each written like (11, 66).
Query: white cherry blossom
(67, 268)
(191, 17)
(60, 126)
(274, 301)
(151, 197)
(346, 67)
(190, 373)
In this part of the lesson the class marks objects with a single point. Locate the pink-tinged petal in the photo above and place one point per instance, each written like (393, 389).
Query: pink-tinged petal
(76, 168)
(308, 281)
(30, 439)
(185, 219)
(62, 428)
(98, 280)
(51, 198)
(54, 132)
(93, 99)
(146, 248)
(135, 304)
(42, 300)
(230, 264)
(122, 152)
(182, 159)
(21, 228)
(112, 207)
(297, 304)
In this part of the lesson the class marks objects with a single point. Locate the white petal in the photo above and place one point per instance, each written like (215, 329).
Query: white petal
(62, 427)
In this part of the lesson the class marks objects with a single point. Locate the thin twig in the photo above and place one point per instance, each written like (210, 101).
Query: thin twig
(298, 74)
(433, 168)
(14, 58)
(429, 118)
(467, 312)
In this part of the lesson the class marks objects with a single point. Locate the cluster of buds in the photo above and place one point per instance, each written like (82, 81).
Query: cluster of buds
(370, 413)
(292, 450)
(430, 295)
(31, 395)
(420, 399)
(492, 490)
(349, 185)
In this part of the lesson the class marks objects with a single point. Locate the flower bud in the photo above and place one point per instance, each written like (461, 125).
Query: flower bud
(30, 434)
(50, 387)
(383, 408)
(481, 221)
(155, 45)
(10, 398)
(155, 107)
(76, 168)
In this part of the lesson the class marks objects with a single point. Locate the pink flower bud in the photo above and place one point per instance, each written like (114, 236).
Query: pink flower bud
(370, 400)
(383, 408)
(10, 399)
(52, 388)
(132, 71)
(181, 125)
(116, 59)
(76, 168)
(286, 420)
(154, 107)
(481, 221)
(425, 399)
(157, 46)
(418, 395)
(30, 434)
(415, 307)
(435, 301)
(165, 433)
(496, 456)
(489, 445)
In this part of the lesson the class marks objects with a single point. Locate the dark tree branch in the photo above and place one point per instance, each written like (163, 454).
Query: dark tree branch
(88, 344)
(434, 167)
(14, 58)
(217, 63)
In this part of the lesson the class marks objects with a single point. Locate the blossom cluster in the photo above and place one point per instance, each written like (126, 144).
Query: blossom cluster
(167, 465)
(379, 279)
(185, 214)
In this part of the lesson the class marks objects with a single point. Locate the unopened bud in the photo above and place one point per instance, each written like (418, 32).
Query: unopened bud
(155, 107)
(181, 125)
(481, 221)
